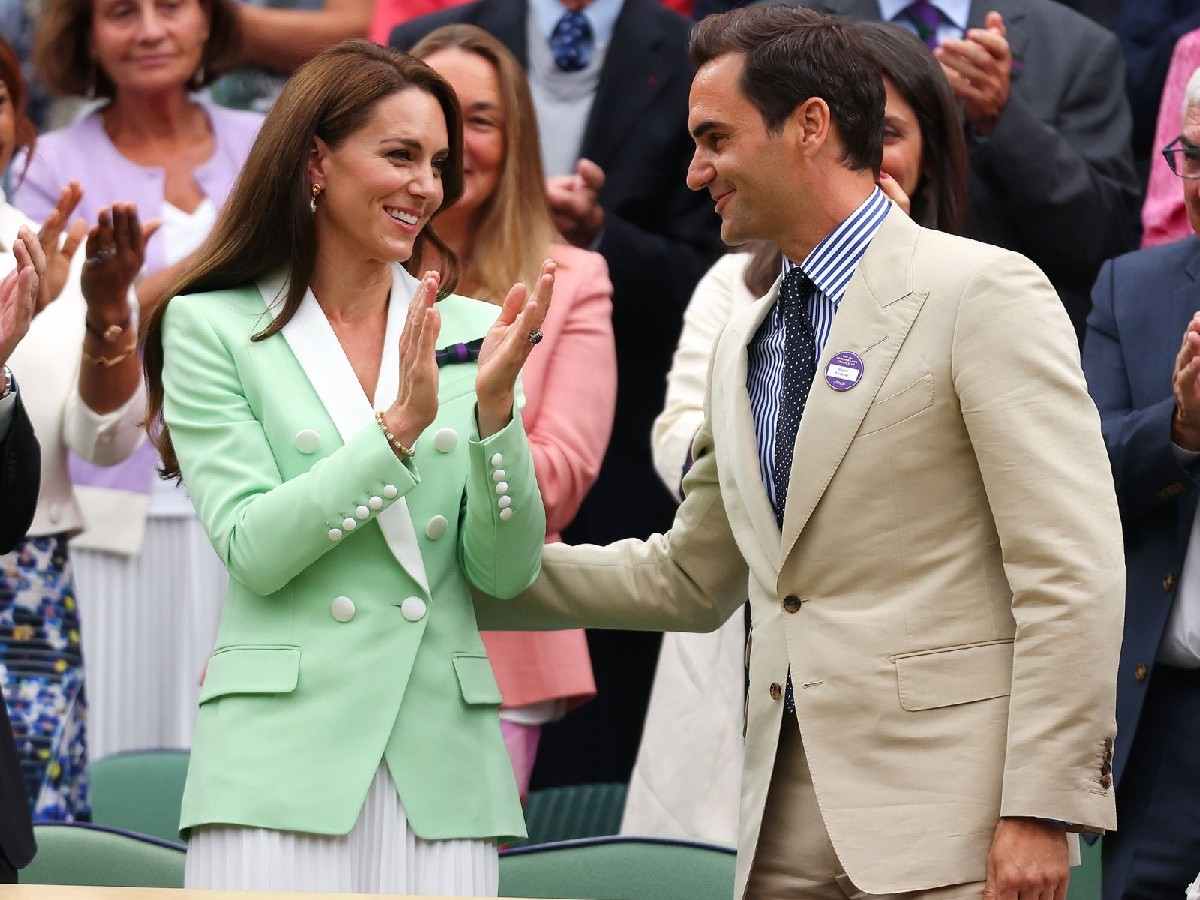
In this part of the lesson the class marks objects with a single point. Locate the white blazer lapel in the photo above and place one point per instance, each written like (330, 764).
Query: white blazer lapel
(320, 355)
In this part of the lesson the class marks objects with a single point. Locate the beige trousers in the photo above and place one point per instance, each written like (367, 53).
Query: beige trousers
(795, 859)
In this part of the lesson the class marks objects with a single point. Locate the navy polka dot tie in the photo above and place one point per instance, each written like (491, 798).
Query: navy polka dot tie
(799, 369)
(571, 42)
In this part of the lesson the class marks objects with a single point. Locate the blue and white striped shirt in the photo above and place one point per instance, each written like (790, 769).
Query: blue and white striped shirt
(830, 266)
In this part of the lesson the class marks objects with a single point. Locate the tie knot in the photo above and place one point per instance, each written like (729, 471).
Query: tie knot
(571, 42)
(926, 18)
(796, 285)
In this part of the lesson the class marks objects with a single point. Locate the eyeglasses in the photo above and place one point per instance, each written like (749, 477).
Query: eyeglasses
(1183, 158)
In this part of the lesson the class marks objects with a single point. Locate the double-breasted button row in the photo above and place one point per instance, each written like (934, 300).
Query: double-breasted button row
(362, 512)
(499, 478)
(343, 609)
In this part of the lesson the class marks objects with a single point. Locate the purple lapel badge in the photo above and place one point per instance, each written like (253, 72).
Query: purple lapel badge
(844, 371)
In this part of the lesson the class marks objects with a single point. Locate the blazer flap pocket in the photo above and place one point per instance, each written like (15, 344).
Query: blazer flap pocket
(898, 406)
(251, 669)
(953, 675)
(476, 679)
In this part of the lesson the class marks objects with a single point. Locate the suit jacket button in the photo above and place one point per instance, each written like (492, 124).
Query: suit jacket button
(1169, 582)
(1140, 671)
(308, 441)
(791, 603)
(776, 690)
(1106, 781)
(342, 609)
(436, 527)
(413, 609)
(445, 440)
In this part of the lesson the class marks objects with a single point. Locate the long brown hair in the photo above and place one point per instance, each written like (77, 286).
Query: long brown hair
(24, 132)
(940, 200)
(514, 229)
(267, 223)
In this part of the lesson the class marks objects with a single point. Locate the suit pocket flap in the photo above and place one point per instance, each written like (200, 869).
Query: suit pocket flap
(953, 675)
(476, 679)
(251, 669)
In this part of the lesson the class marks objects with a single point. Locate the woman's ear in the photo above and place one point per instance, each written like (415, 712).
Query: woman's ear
(318, 162)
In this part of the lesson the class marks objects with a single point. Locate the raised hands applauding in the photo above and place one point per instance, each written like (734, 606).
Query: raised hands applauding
(508, 343)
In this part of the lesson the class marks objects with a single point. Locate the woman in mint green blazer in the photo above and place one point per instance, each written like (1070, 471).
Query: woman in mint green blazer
(358, 471)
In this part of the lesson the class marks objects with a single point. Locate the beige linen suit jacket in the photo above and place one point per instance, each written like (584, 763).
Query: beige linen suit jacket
(947, 590)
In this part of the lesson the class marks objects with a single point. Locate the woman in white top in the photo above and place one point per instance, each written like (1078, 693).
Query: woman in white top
(694, 723)
(149, 580)
(77, 373)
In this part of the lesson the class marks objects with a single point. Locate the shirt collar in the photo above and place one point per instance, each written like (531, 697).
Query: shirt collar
(831, 264)
(957, 12)
(601, 15)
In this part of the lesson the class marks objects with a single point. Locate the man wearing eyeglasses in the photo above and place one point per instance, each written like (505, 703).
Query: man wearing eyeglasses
(1142, 361)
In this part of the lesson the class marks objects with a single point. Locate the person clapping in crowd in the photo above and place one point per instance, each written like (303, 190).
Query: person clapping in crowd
(501, 230)
(357, 473)
(1142, 361)
(81, 387)
(149, 582)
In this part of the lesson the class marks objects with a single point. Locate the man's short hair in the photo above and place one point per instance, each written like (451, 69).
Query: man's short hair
(792, 54)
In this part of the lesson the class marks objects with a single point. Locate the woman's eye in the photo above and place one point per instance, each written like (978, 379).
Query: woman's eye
(402, 155)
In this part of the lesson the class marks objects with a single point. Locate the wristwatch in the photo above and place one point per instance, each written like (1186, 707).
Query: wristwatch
(9, 385)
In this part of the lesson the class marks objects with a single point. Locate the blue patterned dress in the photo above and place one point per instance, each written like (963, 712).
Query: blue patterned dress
(41, 670)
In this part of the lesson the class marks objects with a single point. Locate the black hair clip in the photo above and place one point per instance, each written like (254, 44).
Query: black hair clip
(459, 353)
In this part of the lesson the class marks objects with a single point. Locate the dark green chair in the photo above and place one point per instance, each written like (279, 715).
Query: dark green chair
(619, 868)
(578, 811)
(139, 791)
(96, 856)
(1085, 880)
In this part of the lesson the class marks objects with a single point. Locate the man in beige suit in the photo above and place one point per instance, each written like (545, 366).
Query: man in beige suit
(901, 459)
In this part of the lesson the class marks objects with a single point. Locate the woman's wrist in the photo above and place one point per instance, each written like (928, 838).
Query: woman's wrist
(402, 425)
(493, 414)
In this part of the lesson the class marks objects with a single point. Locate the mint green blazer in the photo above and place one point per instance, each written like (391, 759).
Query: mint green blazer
(348, 635)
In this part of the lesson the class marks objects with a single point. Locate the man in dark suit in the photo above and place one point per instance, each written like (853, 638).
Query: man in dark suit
(617, 185)
(20, 472)
(1048, 129)
(1142, 361)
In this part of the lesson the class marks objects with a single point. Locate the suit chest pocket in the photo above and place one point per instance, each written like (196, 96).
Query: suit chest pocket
(896, 406)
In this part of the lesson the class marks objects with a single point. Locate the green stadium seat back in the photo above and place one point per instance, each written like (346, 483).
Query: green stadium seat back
(96, 856)
(578, 811)
(619, 868)
(139, 791)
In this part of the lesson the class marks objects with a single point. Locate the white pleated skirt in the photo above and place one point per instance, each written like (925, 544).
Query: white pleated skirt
(149, 623)
(379, 856)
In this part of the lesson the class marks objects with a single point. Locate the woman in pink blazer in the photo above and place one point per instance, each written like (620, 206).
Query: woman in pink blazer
(501, 230)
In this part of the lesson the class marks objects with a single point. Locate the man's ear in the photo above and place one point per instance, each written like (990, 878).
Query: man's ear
(318, 162)
(811, 123)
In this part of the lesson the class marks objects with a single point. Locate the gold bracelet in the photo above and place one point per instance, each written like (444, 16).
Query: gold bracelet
(394, 442)
(107, 362)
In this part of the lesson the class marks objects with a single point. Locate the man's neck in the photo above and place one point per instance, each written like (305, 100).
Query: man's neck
(827, 207)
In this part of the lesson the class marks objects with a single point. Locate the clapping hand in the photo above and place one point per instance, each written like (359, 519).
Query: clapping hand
(506, 347)
(575, 203)
(1185, 383)
(116, 250)
(18, 297)
(416, 403)
(58, 249)
(979, 70)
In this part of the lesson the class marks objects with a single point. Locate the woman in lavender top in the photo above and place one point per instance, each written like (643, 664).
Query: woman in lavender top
(149, 581)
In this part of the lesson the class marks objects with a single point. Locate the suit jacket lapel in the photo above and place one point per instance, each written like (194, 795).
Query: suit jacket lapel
(507, 22)
(873, 320)
(320, 355)
(747, 469)
(634, 71)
